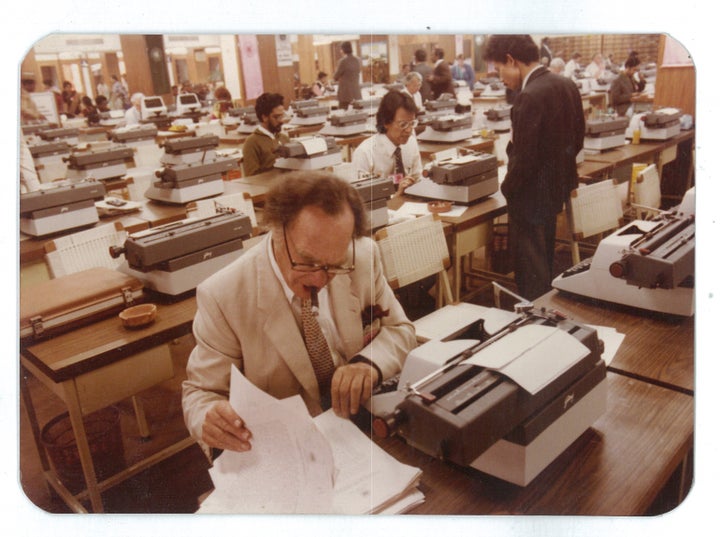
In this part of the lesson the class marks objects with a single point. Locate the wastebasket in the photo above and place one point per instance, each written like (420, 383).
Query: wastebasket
(104, 439)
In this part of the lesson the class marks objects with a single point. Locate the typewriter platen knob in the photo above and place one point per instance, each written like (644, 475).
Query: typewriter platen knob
(116, 251)
(386, 426)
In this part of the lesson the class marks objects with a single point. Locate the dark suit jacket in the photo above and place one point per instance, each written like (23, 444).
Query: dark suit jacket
(425, 70)
(548, 128)
(442, 81)
(347, 75)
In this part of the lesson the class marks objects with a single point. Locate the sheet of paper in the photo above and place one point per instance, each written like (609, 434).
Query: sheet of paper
(314, 145)
(448, 320)
(367, 480)
(289, 468)
(417, 208)
(612, 340)
(532, 356)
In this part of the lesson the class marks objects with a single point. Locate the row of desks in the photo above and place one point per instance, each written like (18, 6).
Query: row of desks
(615, 468)
(646, 432)
(603, 165)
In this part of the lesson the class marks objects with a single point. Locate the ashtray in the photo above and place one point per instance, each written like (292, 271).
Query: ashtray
(138, 316)
(436, 207)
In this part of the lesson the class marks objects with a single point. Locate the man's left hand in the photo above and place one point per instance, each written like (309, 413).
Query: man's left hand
(352, 385)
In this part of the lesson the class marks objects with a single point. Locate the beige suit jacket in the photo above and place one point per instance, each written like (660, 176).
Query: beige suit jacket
(244, 319)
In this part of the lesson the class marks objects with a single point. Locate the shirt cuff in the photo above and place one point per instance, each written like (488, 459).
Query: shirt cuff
(361, 359)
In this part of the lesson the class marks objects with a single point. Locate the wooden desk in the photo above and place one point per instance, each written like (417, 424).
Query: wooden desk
(95, 366)
(351, 142)
(256, 185)
(156, 213)
(294, 131)
(616, 468)
(427, 149)
(647, 151)
(593, 170)
(657, 348)
(233, 139)
(164, 136)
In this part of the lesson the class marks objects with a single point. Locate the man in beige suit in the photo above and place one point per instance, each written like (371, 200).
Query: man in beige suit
(247, 313)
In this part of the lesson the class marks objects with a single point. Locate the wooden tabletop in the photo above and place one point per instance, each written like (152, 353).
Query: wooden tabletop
(615, 468)
(657, 348)
(629, 153)
(104, 342)
(427, 149)
(593, 169)
(481, 211)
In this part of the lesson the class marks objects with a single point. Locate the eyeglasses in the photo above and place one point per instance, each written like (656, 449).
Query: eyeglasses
(404, 125)
(313, 267)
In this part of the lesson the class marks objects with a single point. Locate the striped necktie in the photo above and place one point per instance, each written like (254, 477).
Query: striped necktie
(317, 348)
(399, 168)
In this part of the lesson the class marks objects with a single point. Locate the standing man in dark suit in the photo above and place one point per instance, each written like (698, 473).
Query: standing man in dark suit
(548, 126)
(425, 70)
(347, 76)
(441, 80)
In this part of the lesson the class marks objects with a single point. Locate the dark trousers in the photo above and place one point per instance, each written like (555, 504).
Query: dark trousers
(533, 251)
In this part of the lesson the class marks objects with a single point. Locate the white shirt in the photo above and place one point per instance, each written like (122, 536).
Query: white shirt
(570, 68)
(416, 97)
(527, 76)
(325, 317)
(132, 116)
(376, 155)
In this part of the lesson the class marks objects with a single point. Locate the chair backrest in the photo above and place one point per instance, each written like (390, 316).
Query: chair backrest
(593, 209)
(413, 250)
(240, 201)
(646, 191)
(84, 249)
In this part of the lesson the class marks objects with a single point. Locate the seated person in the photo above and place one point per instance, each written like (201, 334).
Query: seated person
(259, 149)
(133, 114)
(393, 151)
(251, 313)
(223, 101)
(89, 111)
(623, 88)
(320, 87)
(71, 106)
(102, 104)
(413, 82)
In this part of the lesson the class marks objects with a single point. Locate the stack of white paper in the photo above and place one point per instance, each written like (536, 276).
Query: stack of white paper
(300, 465)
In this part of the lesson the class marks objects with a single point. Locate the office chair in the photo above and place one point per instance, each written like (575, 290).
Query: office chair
(646, 197)
(84, 249)
(592, 210)
(416, 249)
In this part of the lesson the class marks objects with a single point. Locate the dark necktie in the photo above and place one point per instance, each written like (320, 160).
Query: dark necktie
(399, 168)
(317, 348)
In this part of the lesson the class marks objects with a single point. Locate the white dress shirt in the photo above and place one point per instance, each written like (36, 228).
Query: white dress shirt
(325, 314)
(132, 116)
(376, 155)
(417, 98)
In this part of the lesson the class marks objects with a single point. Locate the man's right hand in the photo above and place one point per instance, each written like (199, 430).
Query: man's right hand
(224, 429)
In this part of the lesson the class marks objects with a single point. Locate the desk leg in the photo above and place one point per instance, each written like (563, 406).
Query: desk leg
(465, 242)
(140, 417)
(32, 417)
(76, 419)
